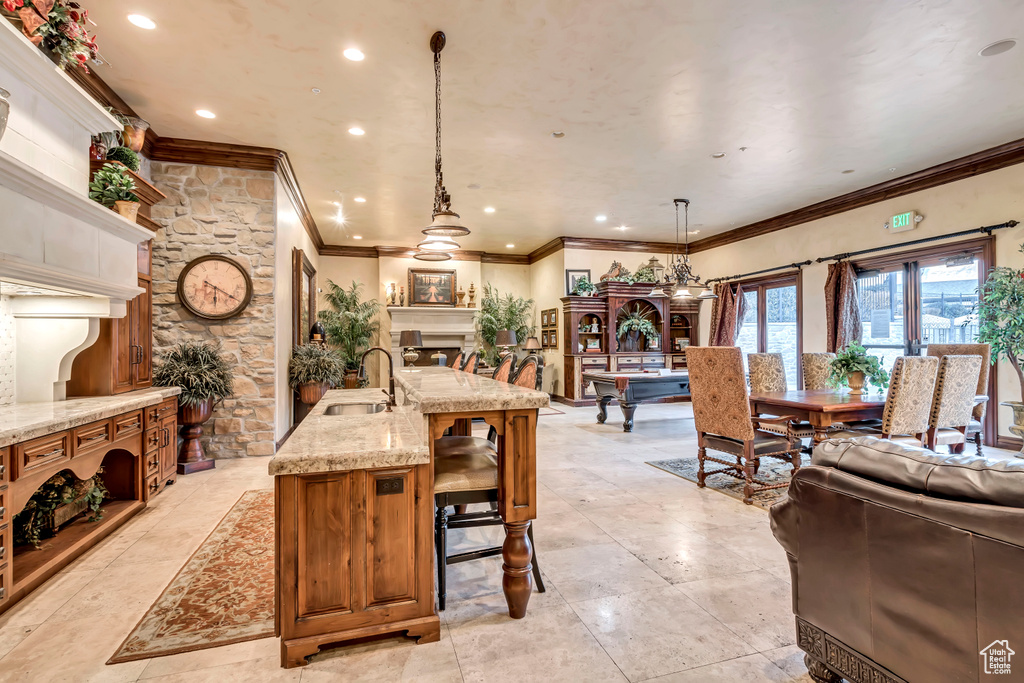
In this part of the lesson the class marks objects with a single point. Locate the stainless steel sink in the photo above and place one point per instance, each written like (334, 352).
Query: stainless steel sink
(354, 408)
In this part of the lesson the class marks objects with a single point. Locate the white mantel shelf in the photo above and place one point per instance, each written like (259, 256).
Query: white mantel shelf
(442, 327)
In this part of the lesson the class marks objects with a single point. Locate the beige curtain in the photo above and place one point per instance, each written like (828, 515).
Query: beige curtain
(723, 316)
(842, 314)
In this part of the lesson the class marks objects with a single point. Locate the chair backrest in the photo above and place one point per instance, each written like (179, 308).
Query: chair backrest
(816, 369)
(767, 372)
(527, 375)
(718, 390)
(955, 387)
(911, 387)
(457, 361)
(503, 372)
(471, 362)
(983, 350)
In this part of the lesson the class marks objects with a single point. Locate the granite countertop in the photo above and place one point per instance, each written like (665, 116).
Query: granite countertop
(23, 421)
(444, 390)
(335, 443)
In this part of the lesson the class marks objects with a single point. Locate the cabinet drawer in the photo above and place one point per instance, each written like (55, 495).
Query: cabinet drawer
(5, 516)
(92, 437)
(41, 452)
(152, 463)
(6, 546)
(127, 424)
(595, 362)
(152, 486)
(161, 410)
(5, 465)
(152, 440)
(5, 580)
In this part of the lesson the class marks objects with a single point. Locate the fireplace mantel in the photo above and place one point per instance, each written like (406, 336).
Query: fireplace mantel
(441, 326)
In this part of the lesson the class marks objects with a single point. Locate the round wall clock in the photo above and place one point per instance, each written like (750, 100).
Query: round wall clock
(214, 287)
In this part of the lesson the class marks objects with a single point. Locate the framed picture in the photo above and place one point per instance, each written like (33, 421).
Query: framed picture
(654, 344)
(571, 276)
(593, 344)
(544, 318)
(681, 343)
(431, 287)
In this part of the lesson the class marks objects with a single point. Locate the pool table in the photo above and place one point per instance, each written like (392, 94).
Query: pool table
(632, 388)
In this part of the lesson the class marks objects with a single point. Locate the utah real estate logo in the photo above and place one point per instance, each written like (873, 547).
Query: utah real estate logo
(997, 657)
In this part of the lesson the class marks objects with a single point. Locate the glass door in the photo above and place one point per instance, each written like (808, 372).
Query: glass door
(771, 322)
(948, 292)
(880, 294)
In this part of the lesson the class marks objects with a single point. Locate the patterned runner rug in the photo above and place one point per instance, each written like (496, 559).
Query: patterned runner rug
(772, 471)
(224, 594)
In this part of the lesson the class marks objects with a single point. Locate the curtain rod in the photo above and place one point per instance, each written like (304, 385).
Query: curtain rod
(973, 231)
(759, 272)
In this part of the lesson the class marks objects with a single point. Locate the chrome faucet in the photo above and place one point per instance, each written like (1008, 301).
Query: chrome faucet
(391, 373)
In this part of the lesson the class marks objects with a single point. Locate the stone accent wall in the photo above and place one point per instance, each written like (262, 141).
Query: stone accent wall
(6, 352)
(230, 212)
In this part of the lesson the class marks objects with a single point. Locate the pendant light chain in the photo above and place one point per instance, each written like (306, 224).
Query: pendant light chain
(442, 202)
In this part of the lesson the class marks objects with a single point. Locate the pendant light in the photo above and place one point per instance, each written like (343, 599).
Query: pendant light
(446, 223)
(680, 276)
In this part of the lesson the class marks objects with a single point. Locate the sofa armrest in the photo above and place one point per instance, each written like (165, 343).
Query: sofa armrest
(784, 518)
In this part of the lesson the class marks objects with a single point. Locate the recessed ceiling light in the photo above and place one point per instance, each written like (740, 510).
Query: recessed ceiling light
(142, 22)
(357, 237)
(355, 54)
(359, 199)
(336, 203)
(356, 131)
(557, 134)
(718, 155)
(623, 228)
(892, 170)
(849, 170)
(601, 219)
(510, 246)
(472, 186)
(316, 91)
(489, 209)
(205, 113)
(695, 232)
(997, 48)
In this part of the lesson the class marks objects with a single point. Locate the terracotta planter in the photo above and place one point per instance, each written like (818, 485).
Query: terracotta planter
(135, 133)
(129, 210)
(311, 393)
(191, 457)
(351, 379)
(856, 382)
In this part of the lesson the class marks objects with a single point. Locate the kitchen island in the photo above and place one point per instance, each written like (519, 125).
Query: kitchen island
(354, 506)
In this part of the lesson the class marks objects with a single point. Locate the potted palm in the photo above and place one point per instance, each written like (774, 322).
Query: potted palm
(205, 380)
(1001, 324)
(502, 312)
(351, 326)
(631, 324)
(313, 370)
(852, 365)
(113, 187)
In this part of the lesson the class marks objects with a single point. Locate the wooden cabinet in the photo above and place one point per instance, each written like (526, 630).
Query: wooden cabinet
(354, 557)
(160, 443)
(121, 358)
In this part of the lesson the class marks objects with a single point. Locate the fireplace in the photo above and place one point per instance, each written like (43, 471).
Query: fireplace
(449, 330)
(425, 355)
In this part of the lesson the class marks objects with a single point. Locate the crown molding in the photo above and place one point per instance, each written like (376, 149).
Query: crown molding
(508, 259)
(350, 252)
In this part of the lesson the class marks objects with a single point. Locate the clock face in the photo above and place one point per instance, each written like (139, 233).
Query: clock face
(214, 287)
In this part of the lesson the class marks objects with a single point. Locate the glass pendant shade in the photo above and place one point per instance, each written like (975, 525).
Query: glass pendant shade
(658, 292)
(436, 243)
(446, 224)
(682, 293)
(708, 294)
(432, 256)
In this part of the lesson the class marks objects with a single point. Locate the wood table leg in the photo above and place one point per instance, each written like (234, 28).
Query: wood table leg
(517, 582)
(627, 415)
(821, 422)
(602, 408)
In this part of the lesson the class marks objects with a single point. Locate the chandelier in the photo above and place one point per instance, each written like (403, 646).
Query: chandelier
(446, 224)
(679, 277)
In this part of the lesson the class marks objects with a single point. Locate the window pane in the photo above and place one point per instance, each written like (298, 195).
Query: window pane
(948, 299)
(881, 313)
(747, 338)
(780, 316)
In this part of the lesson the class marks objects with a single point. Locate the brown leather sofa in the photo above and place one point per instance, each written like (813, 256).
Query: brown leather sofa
(906, 564)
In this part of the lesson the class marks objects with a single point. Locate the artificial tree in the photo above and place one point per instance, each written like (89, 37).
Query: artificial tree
(313, 369)
(351, 326)
(1001, 323)
(502, 312)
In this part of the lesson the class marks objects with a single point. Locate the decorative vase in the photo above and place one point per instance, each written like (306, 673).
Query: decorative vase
(312, 392)
(631, 342)
(472, 296)
(97, 151)
(1017, 427)
(462, 295)
(5, 110)
(135, 133)
(191, 457)
(855, 380)
(351, 379)
(401, 300)
(129, 210)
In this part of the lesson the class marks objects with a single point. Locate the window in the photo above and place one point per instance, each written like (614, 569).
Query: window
(771, 321)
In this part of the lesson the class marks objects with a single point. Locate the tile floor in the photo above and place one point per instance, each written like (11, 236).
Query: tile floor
(647, 577)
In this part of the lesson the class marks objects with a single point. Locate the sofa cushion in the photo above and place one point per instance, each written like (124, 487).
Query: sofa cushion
(963, 477)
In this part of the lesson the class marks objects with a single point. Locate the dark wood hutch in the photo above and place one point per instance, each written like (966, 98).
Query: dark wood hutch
(591, 334)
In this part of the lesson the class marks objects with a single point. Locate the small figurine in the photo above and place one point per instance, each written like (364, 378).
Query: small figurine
(472, 295)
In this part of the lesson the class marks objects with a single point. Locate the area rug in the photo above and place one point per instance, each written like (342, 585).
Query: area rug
(772, 471)
(224, 594)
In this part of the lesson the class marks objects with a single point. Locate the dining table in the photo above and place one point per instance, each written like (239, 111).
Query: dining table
(823, 408)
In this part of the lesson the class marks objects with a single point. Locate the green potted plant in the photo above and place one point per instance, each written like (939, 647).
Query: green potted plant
(1001, 323)
(351, 326)
(59, 27)
(631, 324)
(60, 499)
(205, 380)
(125, 156)
(313, 369)
(852, 365)
(583, 287)
(502, 312)
(112, 187)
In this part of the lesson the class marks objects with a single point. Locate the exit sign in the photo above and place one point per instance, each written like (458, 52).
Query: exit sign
(902, 222)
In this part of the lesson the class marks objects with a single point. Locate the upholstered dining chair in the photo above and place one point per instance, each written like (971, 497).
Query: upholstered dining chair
(472, 360)
(527, 374)
(458, 360)
(905, 417)
(767, 372)
(953, 401)
(721, 415)
(506, 366)
(976, 428)
(816, 370)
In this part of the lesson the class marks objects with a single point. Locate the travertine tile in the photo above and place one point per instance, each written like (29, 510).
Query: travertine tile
(567, 530)
(48, 598)
(264, 648)
(634, 521)
(594, 571)
(686, 556)
(749, 669)
(266, 670)
(390, 659)
(791, 660)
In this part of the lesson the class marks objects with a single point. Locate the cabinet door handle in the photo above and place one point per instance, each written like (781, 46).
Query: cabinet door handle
(95, 438)
(56, 451)
(3, 512)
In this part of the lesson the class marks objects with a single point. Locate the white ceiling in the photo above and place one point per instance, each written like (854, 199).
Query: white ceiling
(645, 91)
